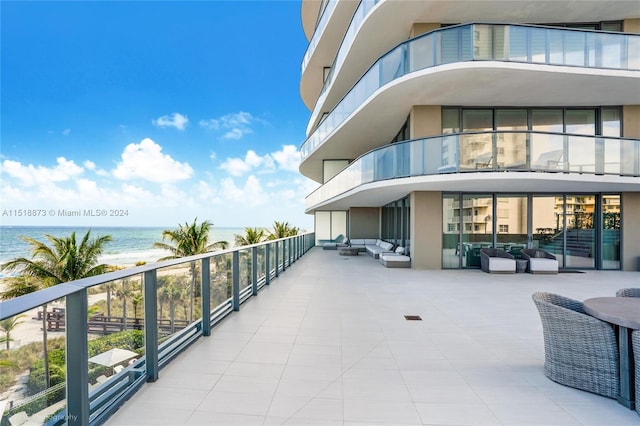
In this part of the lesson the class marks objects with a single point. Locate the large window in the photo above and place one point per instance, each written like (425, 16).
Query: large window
(581, 230)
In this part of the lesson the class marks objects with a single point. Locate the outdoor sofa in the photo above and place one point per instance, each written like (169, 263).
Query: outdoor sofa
(374, 247)
(497, 261)
(539, 261)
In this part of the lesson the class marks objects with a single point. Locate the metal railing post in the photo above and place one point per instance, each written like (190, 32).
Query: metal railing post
(254, 270)
(76, 351)
(150, 282)
(205, 276)
(277, 258)
(236, 280)
(267, 264)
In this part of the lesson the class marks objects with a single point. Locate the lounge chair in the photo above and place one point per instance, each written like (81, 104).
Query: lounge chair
(580, 351)
(397, 259)
(539, 261)
(628, 292)
(332, 244)
(497, 261)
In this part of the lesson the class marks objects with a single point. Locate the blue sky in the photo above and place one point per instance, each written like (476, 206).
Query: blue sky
(165, 110)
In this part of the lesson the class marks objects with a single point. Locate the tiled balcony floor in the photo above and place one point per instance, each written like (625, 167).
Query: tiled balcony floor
(327, 344)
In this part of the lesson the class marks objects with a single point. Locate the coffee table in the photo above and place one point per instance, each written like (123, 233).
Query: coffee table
(348, 251)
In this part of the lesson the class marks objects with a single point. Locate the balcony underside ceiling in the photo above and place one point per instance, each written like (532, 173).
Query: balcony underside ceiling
(377, 194)
(479, 83)
(396, 17)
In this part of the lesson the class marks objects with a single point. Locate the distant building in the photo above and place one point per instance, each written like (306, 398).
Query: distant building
(447, 126)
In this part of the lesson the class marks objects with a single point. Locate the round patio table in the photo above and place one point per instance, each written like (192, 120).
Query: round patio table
(624, 313)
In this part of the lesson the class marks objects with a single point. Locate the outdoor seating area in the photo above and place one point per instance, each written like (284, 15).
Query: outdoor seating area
(318, 348)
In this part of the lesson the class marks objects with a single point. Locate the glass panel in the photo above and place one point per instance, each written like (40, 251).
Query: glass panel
(482, 42)
(220, 269)
(391, 66)
(245, 269)
(580, 211)
(580, 121)
(574, 45)
(581, 154)
(421, 53)
(476, 151)
(338, 223)
(403, 160)
(518, 43)
(451, 253)
(539, 41)
(383, 163)
(547, 150)
(612, 150)
(477, 233)
(178, 298)
(511, 223)
(323, 226)
(511, 148)
(613, 52)
(450, 120)
(406, 228)
(547, 219)
(26, 341)
(611, 119)
(611, 215)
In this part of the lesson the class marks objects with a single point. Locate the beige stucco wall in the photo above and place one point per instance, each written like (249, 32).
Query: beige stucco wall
(364, 222)
(421, 28)
(631, 26)
(425, 120)
(426, 230)
(631, 121)
(631, 231)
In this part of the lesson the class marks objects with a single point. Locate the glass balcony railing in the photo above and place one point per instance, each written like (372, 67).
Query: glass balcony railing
(317, 34)
(487, 152)
(483, 42)
(106, 335)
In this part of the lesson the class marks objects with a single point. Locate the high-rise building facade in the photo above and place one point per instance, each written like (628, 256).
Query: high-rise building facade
(447, 126)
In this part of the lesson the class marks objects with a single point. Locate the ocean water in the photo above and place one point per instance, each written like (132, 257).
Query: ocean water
(128, 246)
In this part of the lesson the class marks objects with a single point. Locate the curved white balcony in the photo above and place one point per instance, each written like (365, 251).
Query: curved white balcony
(322, 47)
(485, 161)
(492, 64)
(364, 42)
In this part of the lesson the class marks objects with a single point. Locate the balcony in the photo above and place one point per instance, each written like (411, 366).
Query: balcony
(495, 64)
(327, 344)
(148, 316)
(471, 162)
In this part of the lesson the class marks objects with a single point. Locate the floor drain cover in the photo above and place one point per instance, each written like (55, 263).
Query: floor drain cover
(412, 318)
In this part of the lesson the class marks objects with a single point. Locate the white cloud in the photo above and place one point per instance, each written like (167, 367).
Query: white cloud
(146, 161)
(65, 132)
(31, 175)
(176, 120)
(239, 166)
(235, 125)
(89, 165)
(251, 194)
(288, 158)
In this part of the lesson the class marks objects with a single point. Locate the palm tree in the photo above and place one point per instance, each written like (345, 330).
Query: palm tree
(124, 293)
(251, 236)
(188, 240)
(7, 325)
(64, 260)
(282, 230)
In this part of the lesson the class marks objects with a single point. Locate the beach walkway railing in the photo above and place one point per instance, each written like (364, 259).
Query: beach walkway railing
(170, 297)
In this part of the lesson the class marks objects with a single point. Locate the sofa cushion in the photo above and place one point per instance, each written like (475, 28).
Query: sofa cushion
(501, 264)
(386, 246)
(543, 265)
(395, 261)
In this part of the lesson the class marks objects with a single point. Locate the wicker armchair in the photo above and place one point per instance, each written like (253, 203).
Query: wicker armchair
(628, 292)
(539, 261)
(495, 260)
(635, 344)
(580, 351)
